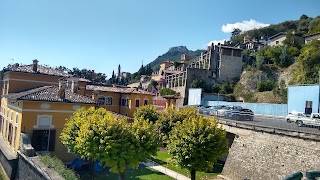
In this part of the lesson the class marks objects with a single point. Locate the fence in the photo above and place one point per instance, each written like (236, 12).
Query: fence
(257, 108)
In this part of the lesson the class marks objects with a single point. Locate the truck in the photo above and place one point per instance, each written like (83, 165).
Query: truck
(302, 119)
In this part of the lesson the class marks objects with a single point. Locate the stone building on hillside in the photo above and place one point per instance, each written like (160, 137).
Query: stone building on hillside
(216, 65)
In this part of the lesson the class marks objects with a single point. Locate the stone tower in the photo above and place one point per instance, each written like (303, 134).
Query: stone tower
(119, 72)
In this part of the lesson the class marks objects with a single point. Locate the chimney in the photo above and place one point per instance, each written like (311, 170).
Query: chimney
(74, 86)
(62, 88)
(35, 65)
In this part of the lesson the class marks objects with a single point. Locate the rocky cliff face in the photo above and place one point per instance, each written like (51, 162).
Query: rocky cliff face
(250, 78)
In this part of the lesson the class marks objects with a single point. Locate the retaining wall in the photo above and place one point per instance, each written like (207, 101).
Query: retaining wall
(257, 108)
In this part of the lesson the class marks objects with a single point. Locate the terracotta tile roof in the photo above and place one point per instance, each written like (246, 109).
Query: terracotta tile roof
(40, 69)
(49, 93)
(127, 90)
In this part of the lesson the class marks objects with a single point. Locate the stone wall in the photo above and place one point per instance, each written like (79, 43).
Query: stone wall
(231, 67)
(261, 156)
(29, 170)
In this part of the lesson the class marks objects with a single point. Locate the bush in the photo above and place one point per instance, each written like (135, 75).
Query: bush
(167, 91)
(265, 85)
(59, 167)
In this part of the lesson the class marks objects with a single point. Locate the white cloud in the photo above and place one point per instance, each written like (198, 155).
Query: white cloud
(215, 42)
(244, 26)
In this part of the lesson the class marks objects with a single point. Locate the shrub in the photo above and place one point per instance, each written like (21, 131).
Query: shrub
(265, 85)
(59, 167)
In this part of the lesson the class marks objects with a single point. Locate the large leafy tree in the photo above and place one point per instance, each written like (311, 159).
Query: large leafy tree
(197, 143)
(147, 112)
(310, 63)
(98, 134)
(169, 119)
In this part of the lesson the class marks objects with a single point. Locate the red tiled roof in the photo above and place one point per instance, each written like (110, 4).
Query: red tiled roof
(50, 93)
(40, 69)
(127, 90)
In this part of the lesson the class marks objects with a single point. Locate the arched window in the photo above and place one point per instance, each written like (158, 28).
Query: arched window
(105, 100)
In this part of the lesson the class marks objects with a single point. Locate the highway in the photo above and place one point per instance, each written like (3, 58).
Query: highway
(275, 122)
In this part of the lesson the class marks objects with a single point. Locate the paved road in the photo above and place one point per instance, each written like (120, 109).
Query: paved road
(279, 122)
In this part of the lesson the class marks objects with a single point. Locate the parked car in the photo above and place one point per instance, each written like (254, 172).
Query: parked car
(202, 108)
(213, 111)
(222, 111)
(240, 114)
(207, 111)
(302, 119)
(293, 116)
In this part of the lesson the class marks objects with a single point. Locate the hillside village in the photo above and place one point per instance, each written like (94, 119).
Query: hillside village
(39, 102)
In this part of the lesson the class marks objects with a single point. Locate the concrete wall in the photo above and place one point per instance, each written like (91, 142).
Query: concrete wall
(298, 95)
(9, 165)
(261, 156)
(257, 108)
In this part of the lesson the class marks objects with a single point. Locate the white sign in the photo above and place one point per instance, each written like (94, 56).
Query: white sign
(194, 97)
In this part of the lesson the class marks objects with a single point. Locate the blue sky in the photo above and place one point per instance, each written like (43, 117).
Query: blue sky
(101, 34)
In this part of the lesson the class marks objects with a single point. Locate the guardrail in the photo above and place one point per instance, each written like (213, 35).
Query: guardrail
(300, 133)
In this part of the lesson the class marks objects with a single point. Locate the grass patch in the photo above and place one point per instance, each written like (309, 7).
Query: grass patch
(134, 174)
(164, 159)
(59, 167)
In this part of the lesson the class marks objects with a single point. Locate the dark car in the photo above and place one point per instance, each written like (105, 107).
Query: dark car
(240, 114)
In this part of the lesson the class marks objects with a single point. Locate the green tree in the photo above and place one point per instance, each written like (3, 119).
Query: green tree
(260, 61)
(226, 88)
(285, 60)
(310, 64)
(167, 91)
(147, 112)
(197, 143)
(236, 32)
(200, 83)
(98, 134)
(215, 88)
(169, 119)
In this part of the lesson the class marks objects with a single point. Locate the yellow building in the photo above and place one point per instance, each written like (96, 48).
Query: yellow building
(37, 100)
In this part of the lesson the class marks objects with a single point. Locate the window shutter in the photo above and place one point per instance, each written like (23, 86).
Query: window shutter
(34, 138)
(52, 139)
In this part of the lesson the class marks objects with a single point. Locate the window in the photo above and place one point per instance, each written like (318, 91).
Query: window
(44, 121)
(137, 103)
(43, 140)
(43, 136)
(15, 137)
(17, 119)
(101, 100)
(237, 52)
(123, 102)
(108, 101)
(145, 102)
(227, 51)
